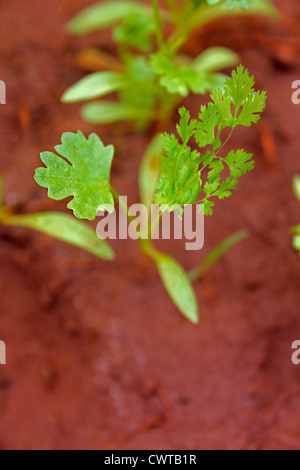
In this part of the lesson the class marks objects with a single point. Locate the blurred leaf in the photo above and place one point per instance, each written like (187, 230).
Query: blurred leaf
(296, 238)
(93, 86)
(203, 16)
(136, 31)
(184, 79)
(107, 112)
(105, 14)
(214, 59)
(296, 186)
(66, 228)
(149, 170)
(178, 286)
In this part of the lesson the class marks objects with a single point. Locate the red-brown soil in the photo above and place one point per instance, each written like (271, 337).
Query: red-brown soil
(97, 355)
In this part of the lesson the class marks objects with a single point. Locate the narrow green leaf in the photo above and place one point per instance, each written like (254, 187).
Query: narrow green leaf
(296, 186)
(178, 286)
(105, 14)
(66, 228)
(108, 112)
(93, 86)
(149, 170)
(214, 59)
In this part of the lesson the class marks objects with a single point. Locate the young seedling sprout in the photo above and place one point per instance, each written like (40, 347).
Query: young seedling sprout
(81, 168)
(151, 74)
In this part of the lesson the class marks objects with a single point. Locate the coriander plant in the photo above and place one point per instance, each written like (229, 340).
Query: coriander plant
(81, 168)
(151, 75)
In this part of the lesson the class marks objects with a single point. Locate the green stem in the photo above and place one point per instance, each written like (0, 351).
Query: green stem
(145, 244)
(217, 253)
(158, 24)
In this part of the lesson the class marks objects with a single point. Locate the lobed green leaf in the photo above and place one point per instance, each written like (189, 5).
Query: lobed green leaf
(82, 170)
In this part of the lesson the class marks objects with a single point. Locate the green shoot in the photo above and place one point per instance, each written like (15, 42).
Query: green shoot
(171, 173)
(153, 74)
(182, 178)
(217, 253)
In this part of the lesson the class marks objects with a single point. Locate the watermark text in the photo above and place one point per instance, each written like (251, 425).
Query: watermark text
(159, 222)
(2, 92)
(2, 353)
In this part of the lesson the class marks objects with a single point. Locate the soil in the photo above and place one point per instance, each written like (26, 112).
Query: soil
(97, 355)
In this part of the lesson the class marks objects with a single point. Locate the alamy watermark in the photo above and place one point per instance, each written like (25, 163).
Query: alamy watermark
(2, 353)
(2, 92)
(158, 222)
(296, 355)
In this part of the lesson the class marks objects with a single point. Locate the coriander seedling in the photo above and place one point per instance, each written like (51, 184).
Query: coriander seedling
(180, 176)
(151, 75)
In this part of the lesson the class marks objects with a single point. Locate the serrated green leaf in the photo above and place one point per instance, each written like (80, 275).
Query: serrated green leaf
(208, 127)
(66, 228)
(83, 173)
(181, 179)
(239, 91)
(178, 286)
(186, 126)
(239, 162)
(105, 14)
(93, 86)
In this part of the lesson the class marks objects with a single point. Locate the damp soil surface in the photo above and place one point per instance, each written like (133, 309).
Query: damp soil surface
(97, 355)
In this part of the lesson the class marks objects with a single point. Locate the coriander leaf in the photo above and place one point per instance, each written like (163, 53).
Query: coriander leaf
(83, 173)
(179, 182)
(186, 126)
(184, 172)
(239, 162)
(207, 128)
(239, 92)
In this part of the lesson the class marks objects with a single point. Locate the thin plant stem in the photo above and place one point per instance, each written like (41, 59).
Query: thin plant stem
(217, 253)
(158, 24)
